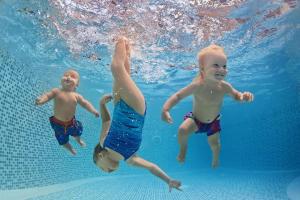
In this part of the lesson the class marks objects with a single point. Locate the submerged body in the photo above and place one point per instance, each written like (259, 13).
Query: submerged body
(208, 90)
(66, 99)
(125, 133)
(120, 138)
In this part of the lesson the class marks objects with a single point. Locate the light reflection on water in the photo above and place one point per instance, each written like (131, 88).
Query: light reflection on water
(166, 35)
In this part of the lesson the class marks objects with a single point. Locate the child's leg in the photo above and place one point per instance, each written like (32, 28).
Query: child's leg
(123, 84)
(184, 131)
(79, 141)
(127, 60)
(214, 143)
(154, 169)
(69, 147)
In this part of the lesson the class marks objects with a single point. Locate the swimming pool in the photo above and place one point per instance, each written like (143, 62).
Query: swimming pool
(260, 156)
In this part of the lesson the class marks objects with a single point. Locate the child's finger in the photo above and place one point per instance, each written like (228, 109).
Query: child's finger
(249, 96)
(240, 96)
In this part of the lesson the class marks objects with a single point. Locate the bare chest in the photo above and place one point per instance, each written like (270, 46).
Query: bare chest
(209, 96)
(66, 99)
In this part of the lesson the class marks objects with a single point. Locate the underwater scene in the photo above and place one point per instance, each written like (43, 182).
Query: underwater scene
(150, 99)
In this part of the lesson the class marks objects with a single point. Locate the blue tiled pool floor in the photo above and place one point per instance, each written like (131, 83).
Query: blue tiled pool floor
(205, 185)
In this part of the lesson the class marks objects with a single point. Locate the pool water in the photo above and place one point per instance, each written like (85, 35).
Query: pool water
(260, 155)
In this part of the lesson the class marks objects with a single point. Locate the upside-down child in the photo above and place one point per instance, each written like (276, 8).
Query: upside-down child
(121, 137)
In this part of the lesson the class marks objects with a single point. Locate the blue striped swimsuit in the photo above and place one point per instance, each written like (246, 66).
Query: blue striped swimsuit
(125, 133)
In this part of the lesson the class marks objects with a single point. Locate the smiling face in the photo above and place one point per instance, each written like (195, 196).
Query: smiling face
(212, 61)
(215, 66)
(70, 80)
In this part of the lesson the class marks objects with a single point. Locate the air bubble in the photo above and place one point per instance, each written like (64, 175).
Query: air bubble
(156, 139)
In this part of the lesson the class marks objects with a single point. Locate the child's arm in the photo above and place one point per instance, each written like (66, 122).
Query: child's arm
(105, 116)
(46, 97)
(239, 96)
(174, 99)
(87, 105)
(154, 169)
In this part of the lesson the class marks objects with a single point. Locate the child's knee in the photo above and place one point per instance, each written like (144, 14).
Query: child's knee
(183, 131)
(215, 145)
(214, 142)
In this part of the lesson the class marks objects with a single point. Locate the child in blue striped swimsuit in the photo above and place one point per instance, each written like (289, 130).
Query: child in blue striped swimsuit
(121, 137)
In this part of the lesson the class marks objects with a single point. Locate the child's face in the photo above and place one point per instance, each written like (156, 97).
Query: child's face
(105, 163)
(70, 80)
(215, 66)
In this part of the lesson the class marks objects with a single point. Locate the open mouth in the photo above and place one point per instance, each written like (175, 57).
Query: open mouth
(219, 76)
(67, 81)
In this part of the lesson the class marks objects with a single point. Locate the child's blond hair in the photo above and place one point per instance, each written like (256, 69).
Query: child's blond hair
(210, 49)
(202, 53)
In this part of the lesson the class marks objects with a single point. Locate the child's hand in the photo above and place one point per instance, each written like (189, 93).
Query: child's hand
(38, 101)
(105, 99)
(247, 96)
(96, 114)
(174, 184)
(165, 116)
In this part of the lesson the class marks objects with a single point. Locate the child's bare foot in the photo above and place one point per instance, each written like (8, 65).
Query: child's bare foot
(73, 152)
(181, 156)
(80, 141)
(128, 49)
(180, 159)
(70, 148)
(215, 163)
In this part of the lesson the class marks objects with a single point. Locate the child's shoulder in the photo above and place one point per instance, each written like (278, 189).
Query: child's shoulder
(77, 95)
(56, 90)
(198, 82)
(226, 85)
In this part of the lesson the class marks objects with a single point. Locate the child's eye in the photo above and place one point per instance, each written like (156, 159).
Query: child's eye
(216, 65)
(224, 66)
